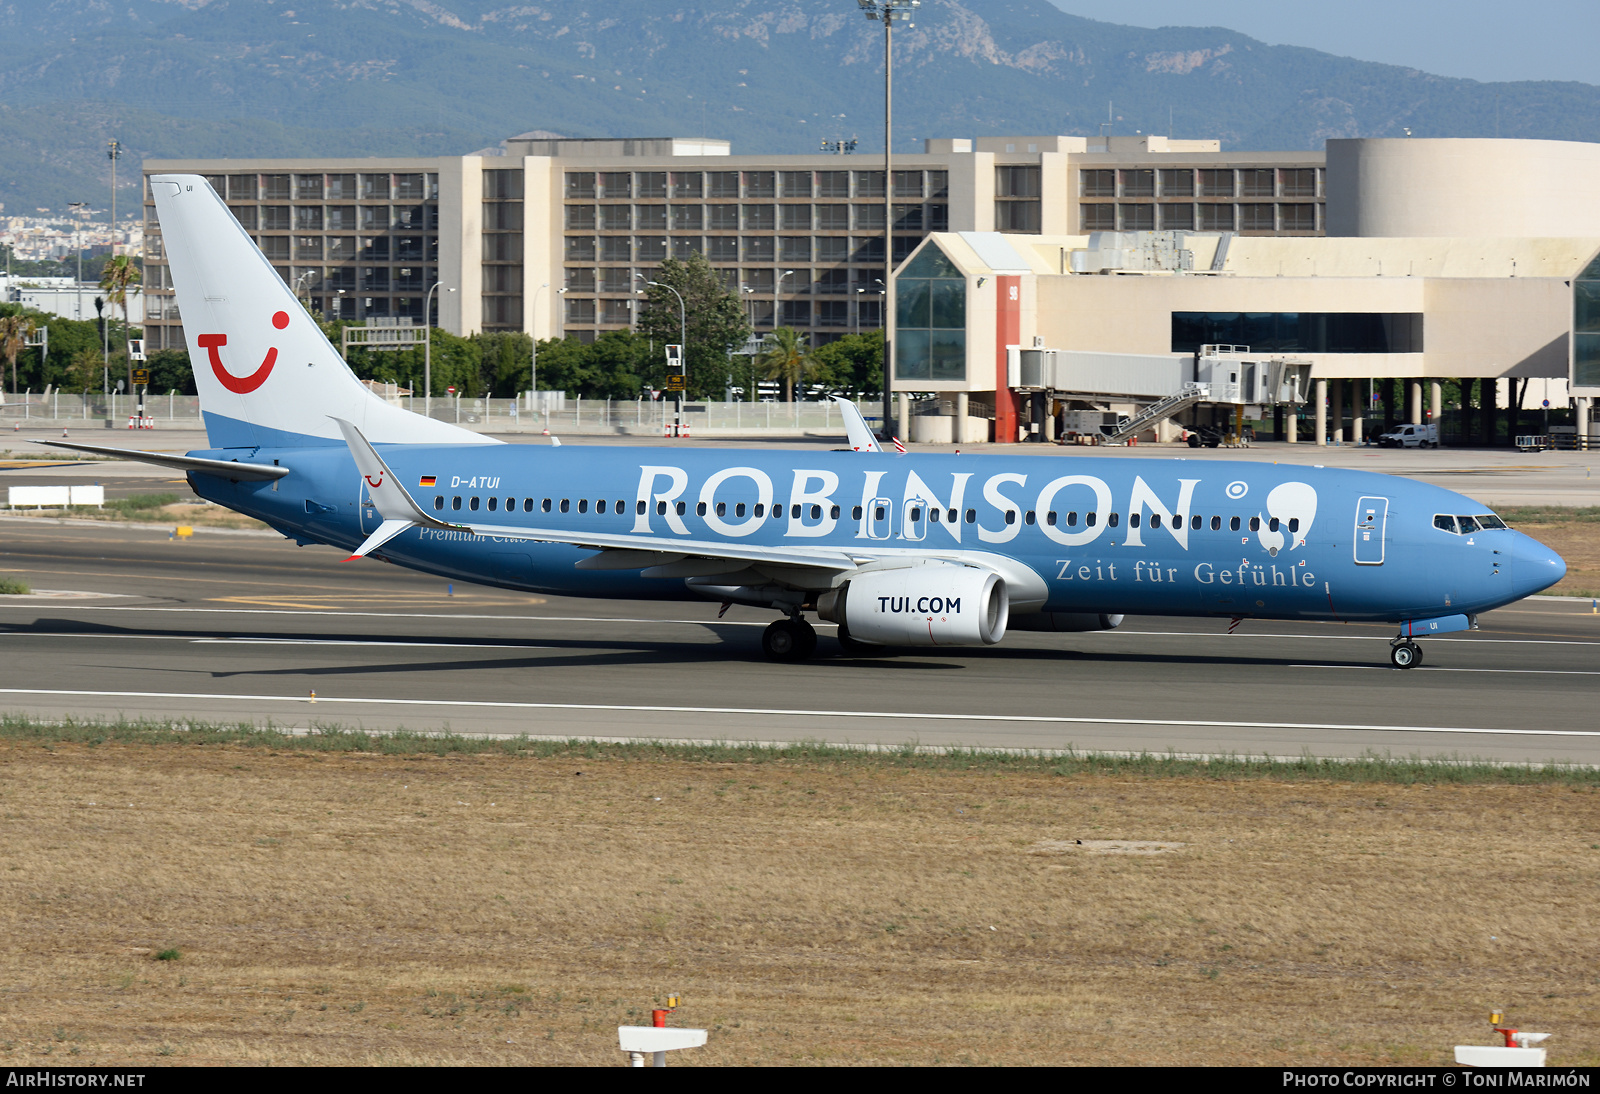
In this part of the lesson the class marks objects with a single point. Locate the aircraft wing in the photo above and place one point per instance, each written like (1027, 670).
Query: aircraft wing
(855, 427)
(245, 472)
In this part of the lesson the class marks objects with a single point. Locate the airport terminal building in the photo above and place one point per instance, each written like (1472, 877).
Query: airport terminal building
(1388, 265)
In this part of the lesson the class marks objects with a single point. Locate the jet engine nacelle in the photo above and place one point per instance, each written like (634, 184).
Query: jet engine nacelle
(939, 605)
(1066, 621)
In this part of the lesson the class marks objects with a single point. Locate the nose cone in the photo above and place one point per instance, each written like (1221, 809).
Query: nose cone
(1535, 567)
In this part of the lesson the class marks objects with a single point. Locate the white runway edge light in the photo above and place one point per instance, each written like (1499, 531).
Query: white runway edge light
(1516, 1052)
(657, 1040)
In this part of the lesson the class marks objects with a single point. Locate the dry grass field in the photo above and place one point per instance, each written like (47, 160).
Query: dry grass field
(497, 909)
(1572, 533)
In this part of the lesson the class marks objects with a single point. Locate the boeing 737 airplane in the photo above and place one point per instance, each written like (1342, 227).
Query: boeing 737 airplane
(899, 550)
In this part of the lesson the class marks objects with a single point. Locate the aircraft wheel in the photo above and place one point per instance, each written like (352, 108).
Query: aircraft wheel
(1405, 655)
(788, 640)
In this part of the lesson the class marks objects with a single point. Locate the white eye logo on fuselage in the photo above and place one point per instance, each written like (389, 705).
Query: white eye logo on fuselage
(1294, 504)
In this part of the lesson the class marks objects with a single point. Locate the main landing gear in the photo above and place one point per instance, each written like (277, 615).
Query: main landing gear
(1405, 654)
(789, 640)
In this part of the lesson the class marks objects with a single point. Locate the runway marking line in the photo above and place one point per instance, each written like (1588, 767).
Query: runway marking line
(876, 715)
(742, 623)
(1447, 668)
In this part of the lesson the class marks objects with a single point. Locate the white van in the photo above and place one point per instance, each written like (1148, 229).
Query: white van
(1410, 436)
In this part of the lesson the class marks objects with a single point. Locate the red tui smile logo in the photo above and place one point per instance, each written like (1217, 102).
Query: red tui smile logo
(242, 385)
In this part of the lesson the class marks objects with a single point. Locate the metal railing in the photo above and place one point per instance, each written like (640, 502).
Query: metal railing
(570, 415)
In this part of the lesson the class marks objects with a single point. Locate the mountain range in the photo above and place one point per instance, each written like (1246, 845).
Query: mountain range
(236, 78)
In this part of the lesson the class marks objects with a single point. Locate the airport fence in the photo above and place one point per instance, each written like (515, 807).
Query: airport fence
(551, 411)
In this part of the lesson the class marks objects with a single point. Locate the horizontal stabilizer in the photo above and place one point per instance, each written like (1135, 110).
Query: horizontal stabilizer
(386, 531)
(244, 472)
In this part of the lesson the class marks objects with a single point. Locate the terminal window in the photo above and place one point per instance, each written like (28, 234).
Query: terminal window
(1139, 183)
(1177, 183)
(1176, 216)
(1137, 218)
(1299, 182)
(1098, 184)
(1257, 217)
(1586, 326)
(1299, 332)
(931, 317)
(1301, 217)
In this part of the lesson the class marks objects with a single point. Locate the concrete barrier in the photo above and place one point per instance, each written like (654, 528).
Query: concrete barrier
(55, 497)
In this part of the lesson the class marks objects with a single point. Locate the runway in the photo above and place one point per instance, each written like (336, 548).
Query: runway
(231, 627)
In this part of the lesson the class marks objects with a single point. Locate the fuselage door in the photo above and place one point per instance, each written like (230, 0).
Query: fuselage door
(914, 524)
(880, 519)
(1372, 516)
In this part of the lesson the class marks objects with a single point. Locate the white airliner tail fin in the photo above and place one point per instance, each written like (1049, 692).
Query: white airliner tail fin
(266, 374)
(855, 427)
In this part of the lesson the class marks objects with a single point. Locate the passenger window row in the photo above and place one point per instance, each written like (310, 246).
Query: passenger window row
(759, 510)
(509, 505)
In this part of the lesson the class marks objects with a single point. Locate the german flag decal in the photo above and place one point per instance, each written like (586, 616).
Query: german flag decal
(429, 480)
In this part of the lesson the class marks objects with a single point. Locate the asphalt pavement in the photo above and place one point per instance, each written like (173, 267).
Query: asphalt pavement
(126, 621)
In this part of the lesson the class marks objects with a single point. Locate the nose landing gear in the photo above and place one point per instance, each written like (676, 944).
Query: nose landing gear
(789, 640)
(1405, 654)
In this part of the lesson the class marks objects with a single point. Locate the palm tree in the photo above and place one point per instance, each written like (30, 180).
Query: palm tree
(118, 276)
(785, 353)
(14, 331)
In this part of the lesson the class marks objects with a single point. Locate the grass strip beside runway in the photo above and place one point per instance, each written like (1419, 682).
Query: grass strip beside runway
(329, 737)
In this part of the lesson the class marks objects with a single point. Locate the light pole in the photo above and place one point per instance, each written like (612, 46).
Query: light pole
(113, 151)
(533, 375)
(683, 349)
(77, 208)
(777, 297)
(427, 348)
(861, 292)
(300, 281)
(888, 12)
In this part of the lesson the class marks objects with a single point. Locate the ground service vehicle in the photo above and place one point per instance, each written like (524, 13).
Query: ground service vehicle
(1410, 436)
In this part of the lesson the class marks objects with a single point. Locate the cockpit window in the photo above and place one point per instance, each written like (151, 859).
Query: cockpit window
(1466, 526)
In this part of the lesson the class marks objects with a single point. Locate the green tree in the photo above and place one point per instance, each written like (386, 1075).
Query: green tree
(714, 318)
(67, 338)
(620, 364)
(14, 331)
(85, 370)
(853, 365)
(116, 278)
(170, 371)
(786, 355)
(507, 363)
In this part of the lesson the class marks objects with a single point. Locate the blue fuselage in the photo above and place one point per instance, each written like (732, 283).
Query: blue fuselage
(1115, 535)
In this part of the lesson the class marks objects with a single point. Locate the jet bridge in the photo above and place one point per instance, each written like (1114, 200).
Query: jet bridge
(1165, 384)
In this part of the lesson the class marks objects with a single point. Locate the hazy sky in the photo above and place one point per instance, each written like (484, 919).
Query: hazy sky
(1477, 39)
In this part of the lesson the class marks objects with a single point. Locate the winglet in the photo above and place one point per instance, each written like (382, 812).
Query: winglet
(855, 427)
(393, 503)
